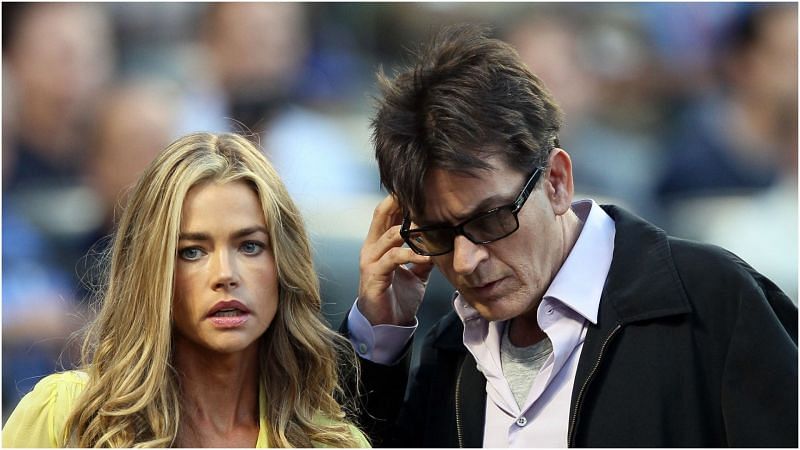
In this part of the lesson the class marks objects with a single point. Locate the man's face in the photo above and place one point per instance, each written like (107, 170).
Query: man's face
(505, 278)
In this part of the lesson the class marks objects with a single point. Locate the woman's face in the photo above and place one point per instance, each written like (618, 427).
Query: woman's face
(226, 281)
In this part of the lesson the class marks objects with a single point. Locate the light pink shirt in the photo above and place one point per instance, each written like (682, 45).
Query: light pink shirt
(572, 299)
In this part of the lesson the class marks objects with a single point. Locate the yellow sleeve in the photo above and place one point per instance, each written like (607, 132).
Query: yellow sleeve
(39, 418)
(362, 439)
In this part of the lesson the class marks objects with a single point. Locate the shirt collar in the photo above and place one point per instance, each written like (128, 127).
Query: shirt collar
(580, 281)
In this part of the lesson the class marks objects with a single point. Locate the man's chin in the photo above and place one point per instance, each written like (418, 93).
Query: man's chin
(494, 310)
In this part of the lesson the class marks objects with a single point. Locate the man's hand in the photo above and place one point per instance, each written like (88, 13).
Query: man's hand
(390, 292)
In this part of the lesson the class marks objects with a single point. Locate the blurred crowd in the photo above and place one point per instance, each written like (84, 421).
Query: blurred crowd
(684, 112)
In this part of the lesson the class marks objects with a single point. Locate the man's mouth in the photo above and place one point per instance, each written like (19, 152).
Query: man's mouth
(487, 288)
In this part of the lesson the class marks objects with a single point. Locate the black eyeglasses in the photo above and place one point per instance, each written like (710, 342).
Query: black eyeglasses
(482, 228)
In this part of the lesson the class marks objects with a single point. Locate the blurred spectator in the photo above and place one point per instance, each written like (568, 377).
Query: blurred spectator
(134, 120)
(39, 309)
(732, 175)
(256, 52)
(58, 56)
(595, 60)
(743, 135)
(684, 39)
(257, 56)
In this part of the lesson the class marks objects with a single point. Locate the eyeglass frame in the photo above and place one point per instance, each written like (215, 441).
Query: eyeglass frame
(516, 206)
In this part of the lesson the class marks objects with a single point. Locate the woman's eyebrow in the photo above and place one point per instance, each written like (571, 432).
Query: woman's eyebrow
(249, 230)
(200, 236)
(194, 236)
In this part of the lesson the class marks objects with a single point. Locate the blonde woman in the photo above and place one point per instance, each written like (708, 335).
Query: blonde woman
(209, 332)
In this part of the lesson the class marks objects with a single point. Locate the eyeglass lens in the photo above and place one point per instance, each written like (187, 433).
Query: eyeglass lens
(483, 229)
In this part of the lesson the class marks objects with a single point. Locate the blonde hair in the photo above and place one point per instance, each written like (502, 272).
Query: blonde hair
(132, 397)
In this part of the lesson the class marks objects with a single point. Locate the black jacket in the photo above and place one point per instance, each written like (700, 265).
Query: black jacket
(693, 348)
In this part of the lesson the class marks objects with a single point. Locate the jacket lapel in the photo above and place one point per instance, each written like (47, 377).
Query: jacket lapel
(642, 284)
(470, 383)
(473, 407)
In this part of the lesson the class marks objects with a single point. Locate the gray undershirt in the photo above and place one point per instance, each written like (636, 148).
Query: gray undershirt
(521, 365)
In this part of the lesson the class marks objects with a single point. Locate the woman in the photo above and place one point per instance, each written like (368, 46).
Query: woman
(209, 332)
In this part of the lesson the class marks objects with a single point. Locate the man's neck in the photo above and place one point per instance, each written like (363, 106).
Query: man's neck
(525, 332)
(525, 329)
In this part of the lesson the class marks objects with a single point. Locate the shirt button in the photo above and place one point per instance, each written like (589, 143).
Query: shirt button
(522, 421)
(362, 348)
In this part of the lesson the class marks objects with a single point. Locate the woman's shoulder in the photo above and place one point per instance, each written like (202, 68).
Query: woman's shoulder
(60, 389)
(357, 434)
(39, 418)
(360, 437)
(77, 378)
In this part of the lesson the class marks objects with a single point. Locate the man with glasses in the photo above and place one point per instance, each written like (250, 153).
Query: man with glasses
(574, 324)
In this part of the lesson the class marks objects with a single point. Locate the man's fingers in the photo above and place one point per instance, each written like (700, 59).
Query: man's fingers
(375, 250)
(386, 215)
(396, 257)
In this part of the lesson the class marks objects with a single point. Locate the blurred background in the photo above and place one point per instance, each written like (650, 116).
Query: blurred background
(686, 113)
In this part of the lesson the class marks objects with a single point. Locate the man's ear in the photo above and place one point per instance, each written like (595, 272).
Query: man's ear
(558, 184)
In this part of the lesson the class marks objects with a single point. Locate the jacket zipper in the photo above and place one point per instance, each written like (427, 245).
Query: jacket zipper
(586, 382)
(459, 431)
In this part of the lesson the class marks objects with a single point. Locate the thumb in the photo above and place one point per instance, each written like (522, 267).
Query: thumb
(421, 270)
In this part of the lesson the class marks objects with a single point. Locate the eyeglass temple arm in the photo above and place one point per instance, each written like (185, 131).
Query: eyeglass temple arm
(526, 191)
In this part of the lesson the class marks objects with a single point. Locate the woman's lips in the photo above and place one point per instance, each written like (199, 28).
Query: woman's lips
(229, 321)
(228, 314)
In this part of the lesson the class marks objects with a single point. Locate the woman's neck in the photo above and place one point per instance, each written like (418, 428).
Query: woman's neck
(219, 396)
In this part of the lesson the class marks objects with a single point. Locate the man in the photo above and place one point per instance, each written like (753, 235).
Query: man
(573, 324)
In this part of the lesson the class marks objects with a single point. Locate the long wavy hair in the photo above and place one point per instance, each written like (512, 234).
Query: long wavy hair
(132, 398)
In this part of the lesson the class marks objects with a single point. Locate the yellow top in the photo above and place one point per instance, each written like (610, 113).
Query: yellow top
(39, 418)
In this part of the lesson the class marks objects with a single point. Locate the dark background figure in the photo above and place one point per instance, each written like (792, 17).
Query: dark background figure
(740, 137)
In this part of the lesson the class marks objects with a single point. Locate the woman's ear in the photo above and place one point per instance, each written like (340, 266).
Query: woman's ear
(559, 186)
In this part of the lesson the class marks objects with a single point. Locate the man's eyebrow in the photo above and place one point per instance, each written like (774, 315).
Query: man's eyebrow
(493, 201)
(200, 236)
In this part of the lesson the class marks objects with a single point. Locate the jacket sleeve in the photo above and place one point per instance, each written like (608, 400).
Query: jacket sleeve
(400, 407)
(379, 397)
(759, 384)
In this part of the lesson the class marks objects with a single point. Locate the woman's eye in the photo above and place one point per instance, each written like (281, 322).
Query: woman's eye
(252, 248)
(190, 253)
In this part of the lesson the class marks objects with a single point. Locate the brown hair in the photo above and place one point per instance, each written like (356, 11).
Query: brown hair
(467, 97)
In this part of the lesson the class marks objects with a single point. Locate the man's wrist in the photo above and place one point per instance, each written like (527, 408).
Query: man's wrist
(382, 343)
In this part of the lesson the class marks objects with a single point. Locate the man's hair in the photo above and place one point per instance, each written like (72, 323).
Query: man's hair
(466, 98)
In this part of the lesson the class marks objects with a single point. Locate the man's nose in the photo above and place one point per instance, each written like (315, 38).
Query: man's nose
(467, 255)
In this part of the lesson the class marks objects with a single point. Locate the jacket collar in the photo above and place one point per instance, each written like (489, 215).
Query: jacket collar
(642, 282)
(449, 331)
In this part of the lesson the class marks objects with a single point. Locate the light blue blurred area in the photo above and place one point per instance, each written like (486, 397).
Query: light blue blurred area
(685, 113)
